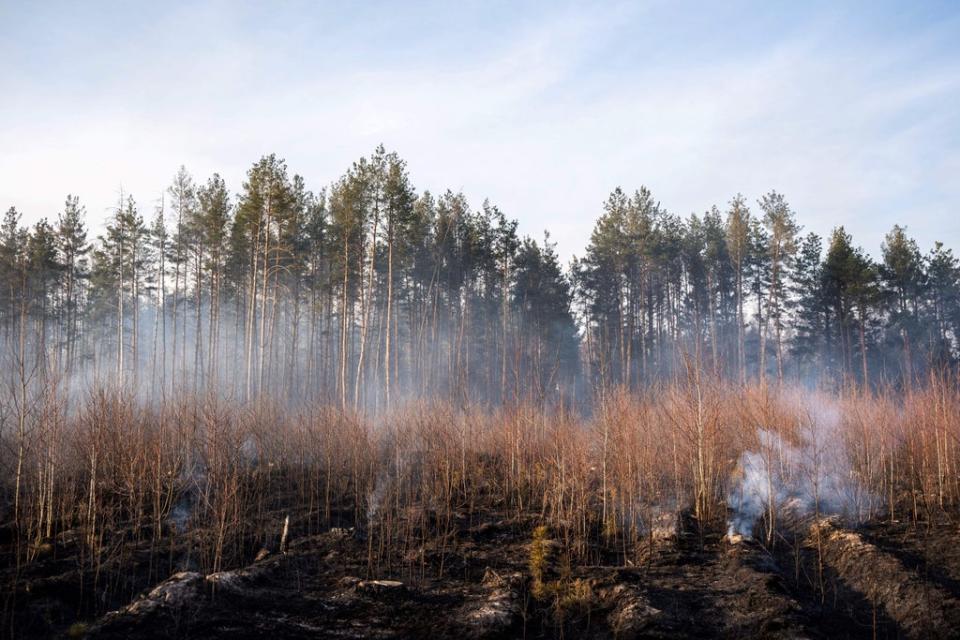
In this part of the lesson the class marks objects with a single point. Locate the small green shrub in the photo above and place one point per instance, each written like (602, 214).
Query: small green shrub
(539, 552)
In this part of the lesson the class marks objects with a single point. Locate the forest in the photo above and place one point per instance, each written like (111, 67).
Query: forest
(366, 292)
(368, 411)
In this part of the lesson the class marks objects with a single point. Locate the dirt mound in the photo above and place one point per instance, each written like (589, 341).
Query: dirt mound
(921, 609)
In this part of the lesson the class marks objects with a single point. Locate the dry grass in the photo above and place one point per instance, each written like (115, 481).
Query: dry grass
(115, 478)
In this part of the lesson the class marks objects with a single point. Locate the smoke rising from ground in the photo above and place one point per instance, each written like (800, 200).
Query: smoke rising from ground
(797, 480)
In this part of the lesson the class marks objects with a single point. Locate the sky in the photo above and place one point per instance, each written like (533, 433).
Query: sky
(850, 110)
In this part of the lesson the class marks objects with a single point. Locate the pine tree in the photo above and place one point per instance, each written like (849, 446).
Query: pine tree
(904, 281)
(73, 249)
(399, 199)
(851, 291)
(118, 275)
(808, 305)
(263, 209)
(943, 290)
(720, 281)
(604, 266)
(183, 202)
(159, 243)
(209, 231)
(782, 229)
(347, 225)
(739, 223)
(542, 295)
(43, 277)
(13, 240)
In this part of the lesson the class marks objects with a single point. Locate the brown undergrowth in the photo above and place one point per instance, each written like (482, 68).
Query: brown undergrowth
(116, 496)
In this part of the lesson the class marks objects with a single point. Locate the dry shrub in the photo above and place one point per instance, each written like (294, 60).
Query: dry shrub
(208, 482)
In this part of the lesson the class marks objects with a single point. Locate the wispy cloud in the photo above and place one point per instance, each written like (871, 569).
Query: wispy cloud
(543, 110)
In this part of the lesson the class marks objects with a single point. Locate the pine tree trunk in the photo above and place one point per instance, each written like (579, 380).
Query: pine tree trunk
(386, 358)
(366, 301)
(342, 374)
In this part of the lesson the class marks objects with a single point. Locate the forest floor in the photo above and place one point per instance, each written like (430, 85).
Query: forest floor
(694, 584)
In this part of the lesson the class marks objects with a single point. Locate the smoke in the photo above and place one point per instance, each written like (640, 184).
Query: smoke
(795, 481)
(398, 467)
(390, 464)
(375, 497)
(180, 515)
(250, 451)
(192, 484)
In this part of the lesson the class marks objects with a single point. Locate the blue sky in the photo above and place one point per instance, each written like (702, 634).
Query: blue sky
(851, 110)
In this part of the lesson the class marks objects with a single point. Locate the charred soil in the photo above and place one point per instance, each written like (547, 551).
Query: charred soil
(484, 579)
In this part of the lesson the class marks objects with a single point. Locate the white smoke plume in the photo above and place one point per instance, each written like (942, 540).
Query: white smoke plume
(813, 477)
(375, 498)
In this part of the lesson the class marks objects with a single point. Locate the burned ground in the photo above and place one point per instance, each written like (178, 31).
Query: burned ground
(477, 583)
(671, 514)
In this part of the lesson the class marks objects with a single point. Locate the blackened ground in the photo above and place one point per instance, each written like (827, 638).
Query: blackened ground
(695, 585)
(932, 550)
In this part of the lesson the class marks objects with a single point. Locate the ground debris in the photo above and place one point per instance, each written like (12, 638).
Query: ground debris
(479, 587)
(494, 611)
(237, 580)
(631, 613)
(179, 590)
(921, 609)
(380, 587)
(177, 593)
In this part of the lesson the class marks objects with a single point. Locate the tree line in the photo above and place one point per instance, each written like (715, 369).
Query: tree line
(746, 294)
(367, 291)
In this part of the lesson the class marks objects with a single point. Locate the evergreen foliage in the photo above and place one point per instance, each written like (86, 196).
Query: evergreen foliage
(367, 291)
